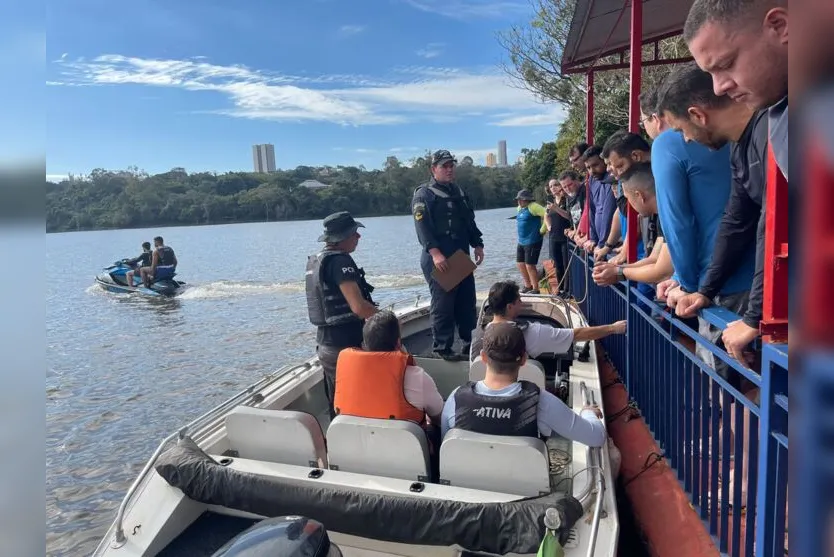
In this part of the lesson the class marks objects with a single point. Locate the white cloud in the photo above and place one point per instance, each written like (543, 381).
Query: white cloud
(431, 50)
(350, 30)
(552, 117)
(56, 177)
(410, 94)
(468, 9)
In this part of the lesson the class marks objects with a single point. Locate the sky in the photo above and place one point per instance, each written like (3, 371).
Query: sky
(159, 84)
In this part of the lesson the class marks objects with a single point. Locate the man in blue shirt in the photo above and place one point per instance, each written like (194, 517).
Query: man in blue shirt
(500, 404)
(693, 186)
(602, 203)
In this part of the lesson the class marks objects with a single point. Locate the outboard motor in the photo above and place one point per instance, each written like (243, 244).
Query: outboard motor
(283, 536)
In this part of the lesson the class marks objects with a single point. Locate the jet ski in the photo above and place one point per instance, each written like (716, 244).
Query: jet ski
(114, 279)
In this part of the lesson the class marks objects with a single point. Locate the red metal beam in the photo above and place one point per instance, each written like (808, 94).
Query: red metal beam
(589, 139)
(774, 324)
(627, 65)
(635, 80)
(818, 251)
(589, 110)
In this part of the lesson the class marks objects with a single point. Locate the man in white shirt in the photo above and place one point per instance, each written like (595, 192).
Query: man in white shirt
(504, 301)
(513, 401)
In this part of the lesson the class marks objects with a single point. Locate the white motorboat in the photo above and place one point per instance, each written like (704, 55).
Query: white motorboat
(271, 451)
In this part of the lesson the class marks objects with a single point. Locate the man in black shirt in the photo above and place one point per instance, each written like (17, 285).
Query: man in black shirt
(338, 297)
(743, 224)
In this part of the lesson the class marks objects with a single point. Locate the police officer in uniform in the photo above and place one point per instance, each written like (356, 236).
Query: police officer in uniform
(338, 296)
(445, 223)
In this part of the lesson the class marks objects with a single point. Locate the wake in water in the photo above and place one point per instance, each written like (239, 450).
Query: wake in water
(229, 289)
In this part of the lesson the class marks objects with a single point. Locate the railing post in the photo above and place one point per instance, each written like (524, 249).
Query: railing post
(771, 420)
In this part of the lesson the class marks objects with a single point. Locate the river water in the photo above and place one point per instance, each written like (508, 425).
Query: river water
(124, 371)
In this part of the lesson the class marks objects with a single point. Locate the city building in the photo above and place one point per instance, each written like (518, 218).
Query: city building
(502, 153)
(490, 160)
(263, 157)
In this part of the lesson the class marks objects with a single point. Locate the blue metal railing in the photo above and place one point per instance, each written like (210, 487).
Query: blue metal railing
(729, 451)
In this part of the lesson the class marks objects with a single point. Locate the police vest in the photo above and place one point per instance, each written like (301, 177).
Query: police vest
(450, 212)
(326, 305)
(166, 256)
(478, 338)
(515, 416)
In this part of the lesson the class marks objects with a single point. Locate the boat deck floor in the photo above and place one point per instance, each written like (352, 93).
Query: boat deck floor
(206, 535)
(420, 344)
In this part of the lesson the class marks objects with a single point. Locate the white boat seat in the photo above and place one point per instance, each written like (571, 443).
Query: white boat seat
(532, 371)
(516, 465)
(389, 448)
(281, 436)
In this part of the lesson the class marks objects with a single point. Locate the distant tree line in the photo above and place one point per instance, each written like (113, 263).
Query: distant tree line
(134, 199)
(534, 61)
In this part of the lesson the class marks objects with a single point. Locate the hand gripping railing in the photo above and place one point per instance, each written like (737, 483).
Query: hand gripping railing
(597, 482)
(119, 536)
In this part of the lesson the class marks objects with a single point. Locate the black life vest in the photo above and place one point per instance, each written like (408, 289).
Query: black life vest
(326, 305)
(515, 416)
(166, 256)
(450, 212)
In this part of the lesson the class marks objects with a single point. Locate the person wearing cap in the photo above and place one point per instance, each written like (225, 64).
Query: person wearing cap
(338, 296)
(500, 404)
(530, 221)
(504, 305)
(445, 223)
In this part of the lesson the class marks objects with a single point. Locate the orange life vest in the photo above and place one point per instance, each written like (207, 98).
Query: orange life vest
(370, 385)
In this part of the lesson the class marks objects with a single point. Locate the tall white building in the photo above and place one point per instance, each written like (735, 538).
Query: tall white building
(502, 153)
(263, 157)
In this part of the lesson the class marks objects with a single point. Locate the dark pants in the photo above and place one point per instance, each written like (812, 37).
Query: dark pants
(560, 254)
(448, 309)
(328, 356)
(433, 437)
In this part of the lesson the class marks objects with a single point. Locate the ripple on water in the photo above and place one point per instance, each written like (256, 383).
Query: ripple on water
(124, 371)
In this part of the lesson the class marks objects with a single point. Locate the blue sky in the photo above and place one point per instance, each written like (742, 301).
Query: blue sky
(160, 84)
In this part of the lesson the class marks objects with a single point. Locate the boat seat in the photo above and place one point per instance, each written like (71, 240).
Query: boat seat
(532, 371)
(389, 448)
(516, 465)
(280, 436)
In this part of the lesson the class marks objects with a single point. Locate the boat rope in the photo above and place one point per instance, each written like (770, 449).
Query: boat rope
(631, 409)
(571, 478)
(651, 460)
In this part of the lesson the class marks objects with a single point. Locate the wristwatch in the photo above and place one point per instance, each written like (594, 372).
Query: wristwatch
(621, 273)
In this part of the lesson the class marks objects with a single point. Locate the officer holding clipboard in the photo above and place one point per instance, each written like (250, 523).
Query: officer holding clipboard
(446, 229)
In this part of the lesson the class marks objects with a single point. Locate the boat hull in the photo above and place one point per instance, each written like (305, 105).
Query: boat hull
(166, 506)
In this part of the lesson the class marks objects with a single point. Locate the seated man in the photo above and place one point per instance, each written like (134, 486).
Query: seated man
(512, 400)
(163, 263)
(504, 301)
(383, 382)
(144, 259)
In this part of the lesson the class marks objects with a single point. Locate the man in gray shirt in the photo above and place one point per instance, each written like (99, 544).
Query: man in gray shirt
(743, 44)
